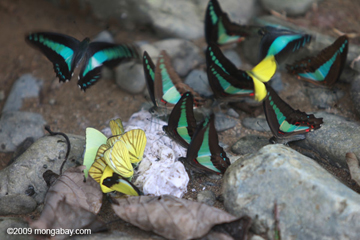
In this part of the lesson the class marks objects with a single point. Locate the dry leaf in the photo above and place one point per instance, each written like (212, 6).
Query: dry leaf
(69, 193)
(171, 217)
(353, 164)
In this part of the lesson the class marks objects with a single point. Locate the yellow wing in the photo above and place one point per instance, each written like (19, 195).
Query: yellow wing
(113, 139)
(260, 90)
(114, 182)
(265, 70)
(116, 127)
(117, 157)
(94, 139)
(108, 172)
(98, 167)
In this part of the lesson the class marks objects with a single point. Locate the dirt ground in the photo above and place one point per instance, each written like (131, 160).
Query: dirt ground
(67, 109)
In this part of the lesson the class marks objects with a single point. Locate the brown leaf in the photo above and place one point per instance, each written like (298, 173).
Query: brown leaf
(171, 217)
(69, 191)
(353, 164)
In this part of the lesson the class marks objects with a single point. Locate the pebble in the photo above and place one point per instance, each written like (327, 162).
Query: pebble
(323, 98)
(26, 86)
(290, 7)
(304, 192)
(14, 222)
(276, 82)
(130, 77)
(233, 56)
(232, 113)
(223, 122)
(17, 204)
(16, 126)
(104, 36)
(258, 124)
(184, 54)
(208, 197)
(197, 79)
(249, 144)
(355, 94)
(29, 167)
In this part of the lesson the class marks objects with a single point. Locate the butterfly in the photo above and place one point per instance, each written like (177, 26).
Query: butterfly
(285, 123)
(108, 179)
(324, 68)
(182, 124)
(94, 139)
(204, 155)
(164, 84)
(228, 82)
(280, 42)
(66, 52)
(220, 30)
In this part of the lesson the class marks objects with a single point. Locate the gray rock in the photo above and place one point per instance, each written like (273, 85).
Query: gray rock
(113, 235)
(233, 56)
(291, 7)
(322, 97)
(17, 204)
(276, 82)
(336, 137)
(258, 124)
(256, 237)
(249, 144)
(16, 126)
(207, 197)
(104, 36)
(184, 54)
(130, 77)
(47, 153)
(307, 196)
(2, 95)
(197, 79)
(232, 113)
(12, 222)
(355, 94)
(25, 87)
(223, 122)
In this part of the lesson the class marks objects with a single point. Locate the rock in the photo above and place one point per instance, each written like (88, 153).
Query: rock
(233, 56)
(258, 124)
(249, 144)
(232, 113)
(323, 98)
(276, 82)
(208, 197)
(307, 196)
(16, 126)
(24, 176)
(355, 94)
(130, 77)
(336, 137)
(115, 235)
(17, 204)
(25, 87)
(104, 36)
(290, 7)
(12, 222)
(2, 95)
(184, 54)
(197, 79)
(21, 148)
(223, 122)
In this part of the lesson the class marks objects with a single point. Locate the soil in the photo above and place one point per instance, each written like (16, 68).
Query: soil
(67, 109)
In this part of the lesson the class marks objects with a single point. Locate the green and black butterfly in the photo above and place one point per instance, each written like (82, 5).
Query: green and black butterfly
(220, 30)
(66, 52)
(280, 42)
(204, 155)
(164, 84)
(286, 123)
(182, 124)
(324, 68)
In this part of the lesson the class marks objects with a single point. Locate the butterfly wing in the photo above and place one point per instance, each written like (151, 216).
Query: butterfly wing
(284, 121)
(115, 182)
(94, 139)
(103, 53)
(135, 142)
(97, 168)
(168, 85)
(59, 49)
(324, 68)
(280, 42)
(204, 154)
(117, 157)
(116, 127)
(149, 72)
(182, 124)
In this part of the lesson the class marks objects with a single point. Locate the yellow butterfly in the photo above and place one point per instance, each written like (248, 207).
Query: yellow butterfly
(261, 73)
(94, 139)
(117, 157)
(135, 142)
